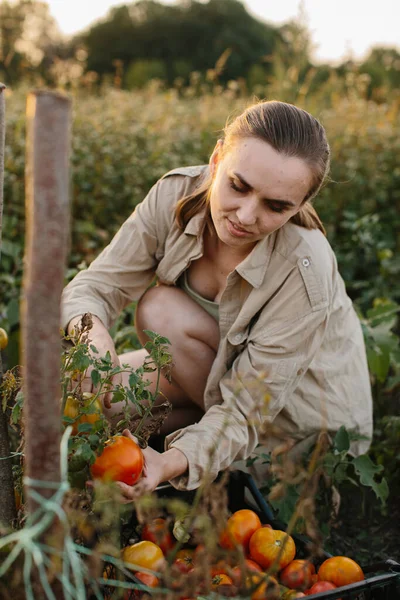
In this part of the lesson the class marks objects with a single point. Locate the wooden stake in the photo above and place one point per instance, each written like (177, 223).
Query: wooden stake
(47, 236)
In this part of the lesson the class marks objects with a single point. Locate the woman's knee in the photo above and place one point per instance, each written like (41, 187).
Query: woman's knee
(167, 310)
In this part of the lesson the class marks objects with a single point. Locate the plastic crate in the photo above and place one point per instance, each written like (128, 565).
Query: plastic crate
(382, 579)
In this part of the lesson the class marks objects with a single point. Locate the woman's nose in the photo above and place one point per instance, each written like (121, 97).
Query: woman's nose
(247, 212)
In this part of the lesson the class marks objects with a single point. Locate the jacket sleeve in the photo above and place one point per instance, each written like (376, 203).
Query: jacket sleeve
(125, 268)
(253, 391)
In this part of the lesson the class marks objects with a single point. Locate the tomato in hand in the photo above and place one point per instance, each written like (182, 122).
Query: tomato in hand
(143, 554)
(271, 546)
(297, 575)
(239, 529)
(121, 460)
(340, 570)
(157, 531)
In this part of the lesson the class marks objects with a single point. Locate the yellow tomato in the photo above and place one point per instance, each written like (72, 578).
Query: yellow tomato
(3, 339)
(72, 410)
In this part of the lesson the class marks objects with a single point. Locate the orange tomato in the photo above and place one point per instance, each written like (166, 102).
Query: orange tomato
(121, 460)
(271, 546)
(72, 409)
(266, 587)
(340, 570)
(157, 531)
(143, 554)
(221, 579)
(297, 575)
(3, 339)
(148, 579)
(239, 574)
(239, 529)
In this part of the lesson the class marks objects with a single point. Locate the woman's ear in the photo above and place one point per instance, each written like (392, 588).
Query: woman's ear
(215, 157)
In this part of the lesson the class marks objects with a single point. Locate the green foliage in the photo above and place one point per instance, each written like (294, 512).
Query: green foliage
(140, 72)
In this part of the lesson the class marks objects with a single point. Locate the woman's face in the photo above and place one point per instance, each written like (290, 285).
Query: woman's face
(255, 190)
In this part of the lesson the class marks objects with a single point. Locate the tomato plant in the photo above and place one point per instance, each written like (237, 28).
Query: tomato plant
(272, 546)
(121, 460)
(88, 411)
(340, 570)
(143, 554)
(239, 529)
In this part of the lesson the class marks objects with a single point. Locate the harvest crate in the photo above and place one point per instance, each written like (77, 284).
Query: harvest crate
(382, 579)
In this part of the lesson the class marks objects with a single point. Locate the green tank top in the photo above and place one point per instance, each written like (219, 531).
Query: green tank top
(211, 307)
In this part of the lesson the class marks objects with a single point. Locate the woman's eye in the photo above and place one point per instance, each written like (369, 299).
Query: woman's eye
(276, 208)
(236, 188)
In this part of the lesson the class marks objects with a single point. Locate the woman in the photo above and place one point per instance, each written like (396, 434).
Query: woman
(261, 329)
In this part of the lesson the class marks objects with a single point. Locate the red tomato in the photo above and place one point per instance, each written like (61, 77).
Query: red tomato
(148, 579)
(121, 460)
(297, 575)
(184, 560)
(239, 529)
(321, 586)
(157, 532)
(272, 547)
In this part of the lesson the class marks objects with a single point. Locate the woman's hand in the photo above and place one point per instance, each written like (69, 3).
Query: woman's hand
(103, 342)
(158, 467)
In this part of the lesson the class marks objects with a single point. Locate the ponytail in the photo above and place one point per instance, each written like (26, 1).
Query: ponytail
(307, 217)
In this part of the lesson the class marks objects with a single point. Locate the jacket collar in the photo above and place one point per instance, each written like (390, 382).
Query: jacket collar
(254, 267)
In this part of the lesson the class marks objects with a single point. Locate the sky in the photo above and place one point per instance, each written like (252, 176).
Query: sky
(339, 28)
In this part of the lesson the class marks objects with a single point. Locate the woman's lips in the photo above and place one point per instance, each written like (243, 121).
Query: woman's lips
(237, 231)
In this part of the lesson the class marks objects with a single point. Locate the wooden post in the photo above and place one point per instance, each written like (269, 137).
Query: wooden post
(47, 237)
(7, 505)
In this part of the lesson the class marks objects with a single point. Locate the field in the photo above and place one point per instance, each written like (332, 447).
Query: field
(122, 142)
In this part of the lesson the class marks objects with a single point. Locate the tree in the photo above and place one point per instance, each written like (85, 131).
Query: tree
(27, 32)
(199, 32)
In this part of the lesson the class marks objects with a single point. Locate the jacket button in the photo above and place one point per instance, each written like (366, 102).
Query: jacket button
(238, 337)
(306, 262)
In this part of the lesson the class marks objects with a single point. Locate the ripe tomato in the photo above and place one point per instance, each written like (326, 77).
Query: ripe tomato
(3, 339)
(73, 408)
(121, 460)
(157, 531)
(239, 529)
(321, 586)
(143, 555)
(271, 546)
(340, 570)
(221, 579)
(263, 587)
(184, 559)
(297, 575)
(239, 574)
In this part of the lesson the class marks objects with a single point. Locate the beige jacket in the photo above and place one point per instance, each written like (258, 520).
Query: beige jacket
(291, 350)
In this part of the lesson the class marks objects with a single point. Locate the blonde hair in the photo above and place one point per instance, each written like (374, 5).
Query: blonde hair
(289, 130)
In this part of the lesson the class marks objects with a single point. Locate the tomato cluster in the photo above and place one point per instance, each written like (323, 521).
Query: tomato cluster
(252, 560)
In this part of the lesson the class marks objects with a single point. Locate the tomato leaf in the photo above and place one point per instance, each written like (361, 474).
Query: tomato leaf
(341, 441)
(96, 378)
(367, 472)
